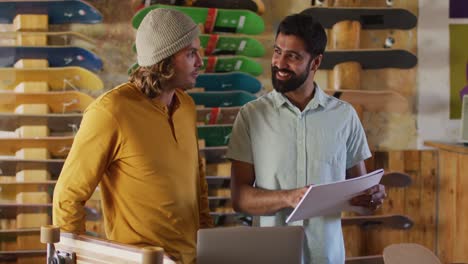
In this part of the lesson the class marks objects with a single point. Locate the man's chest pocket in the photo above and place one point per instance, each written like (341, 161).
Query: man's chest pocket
(329, 148)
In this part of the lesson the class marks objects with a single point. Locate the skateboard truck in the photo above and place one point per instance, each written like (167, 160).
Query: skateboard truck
(50, 235)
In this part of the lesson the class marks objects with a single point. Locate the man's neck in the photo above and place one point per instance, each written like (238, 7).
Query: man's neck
(301, 96)
(166, 97)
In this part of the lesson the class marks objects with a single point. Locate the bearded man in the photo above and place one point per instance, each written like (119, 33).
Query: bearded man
(296, 136)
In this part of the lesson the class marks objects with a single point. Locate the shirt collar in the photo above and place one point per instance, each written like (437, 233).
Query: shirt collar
(320, 98)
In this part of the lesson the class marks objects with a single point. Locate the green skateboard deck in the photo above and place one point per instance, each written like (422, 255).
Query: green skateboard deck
(215, 44)
(231, 64)
(10, 166)
(222, 99)
(373, 101)
(66, 78)
(370, 58)
(57, 146)
(227, 45)
(57, 123)
(224, 64)
(64, 38)
(223, 82)
(370, 18)
(215, 135)
(58, 102)
(256, 6)
(214, 20)
(387, 221)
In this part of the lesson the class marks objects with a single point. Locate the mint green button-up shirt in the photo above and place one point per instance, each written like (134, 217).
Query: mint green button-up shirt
(290, 149)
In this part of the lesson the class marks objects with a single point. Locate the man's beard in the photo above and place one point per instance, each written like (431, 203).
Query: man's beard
(292, 83)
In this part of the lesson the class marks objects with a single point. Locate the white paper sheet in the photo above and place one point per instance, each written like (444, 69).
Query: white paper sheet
(332, 198)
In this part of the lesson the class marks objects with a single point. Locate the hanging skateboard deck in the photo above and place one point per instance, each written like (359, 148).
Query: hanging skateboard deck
(222, 99)
(57, 146)
(214, 154)
(56, 56)
(64, 38)
(58, 11)
(214, 20)
(57, 123)
(216, 64)
(369, 18)
(256, 6)
(215, 44)
(11, 166)
(386, 221)
(396, 179)
(215, 135)
(231, 64)
(58, 102)
(66, 78)
(373, 101)
(221, 82)
(370, 58)
(217, 115)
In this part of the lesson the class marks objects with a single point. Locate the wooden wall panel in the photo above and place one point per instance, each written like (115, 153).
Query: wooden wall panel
(417, 201)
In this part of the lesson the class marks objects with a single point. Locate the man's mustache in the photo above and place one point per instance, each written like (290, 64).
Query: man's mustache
(275, 69)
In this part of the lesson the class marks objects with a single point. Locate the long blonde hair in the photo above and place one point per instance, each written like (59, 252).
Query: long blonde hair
(150, 78)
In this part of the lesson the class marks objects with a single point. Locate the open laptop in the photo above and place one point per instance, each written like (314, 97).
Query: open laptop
(248, 245)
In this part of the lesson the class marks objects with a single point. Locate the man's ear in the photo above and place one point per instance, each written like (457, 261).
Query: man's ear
(316, 62)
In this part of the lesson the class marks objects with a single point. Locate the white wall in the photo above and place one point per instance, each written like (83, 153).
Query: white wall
(433, 76)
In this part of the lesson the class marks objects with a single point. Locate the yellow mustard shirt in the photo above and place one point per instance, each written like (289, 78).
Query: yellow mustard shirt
(153, 192)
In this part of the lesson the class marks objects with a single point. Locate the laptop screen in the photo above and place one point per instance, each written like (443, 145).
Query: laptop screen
(250, 245)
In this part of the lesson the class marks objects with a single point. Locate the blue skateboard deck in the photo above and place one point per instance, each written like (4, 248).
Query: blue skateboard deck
(59, 11)
(57, 56)
(222, 99)
(220, 82)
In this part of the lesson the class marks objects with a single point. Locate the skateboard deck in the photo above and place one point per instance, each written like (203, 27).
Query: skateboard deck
(214, 154)
(66, 78)
(374, 259)
(57, 146)
(56, 56)
(58, 11)
(217, 115)
(57, 123)
(370, 58)
(222, 99)
(369, 18)
(387, 221)
(58, 102)
(215, 135)
(214, 20)
(86, 249)
(230, 64)
(220, 82)
(229, 45)
(64, 38)
(215, 44)
(373, 101)
(10, 211)
(12, 256)
(256, 6)
(224, 64)
(396, 179)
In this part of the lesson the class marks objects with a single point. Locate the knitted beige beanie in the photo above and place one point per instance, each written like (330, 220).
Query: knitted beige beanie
(162, 33)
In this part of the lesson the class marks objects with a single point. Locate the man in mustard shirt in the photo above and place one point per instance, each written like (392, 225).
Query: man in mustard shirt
(139, 142)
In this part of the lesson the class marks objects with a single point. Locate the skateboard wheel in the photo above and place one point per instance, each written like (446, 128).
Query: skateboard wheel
(50, 234)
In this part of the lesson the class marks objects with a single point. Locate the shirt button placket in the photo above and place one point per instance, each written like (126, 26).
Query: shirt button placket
(301, 163)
